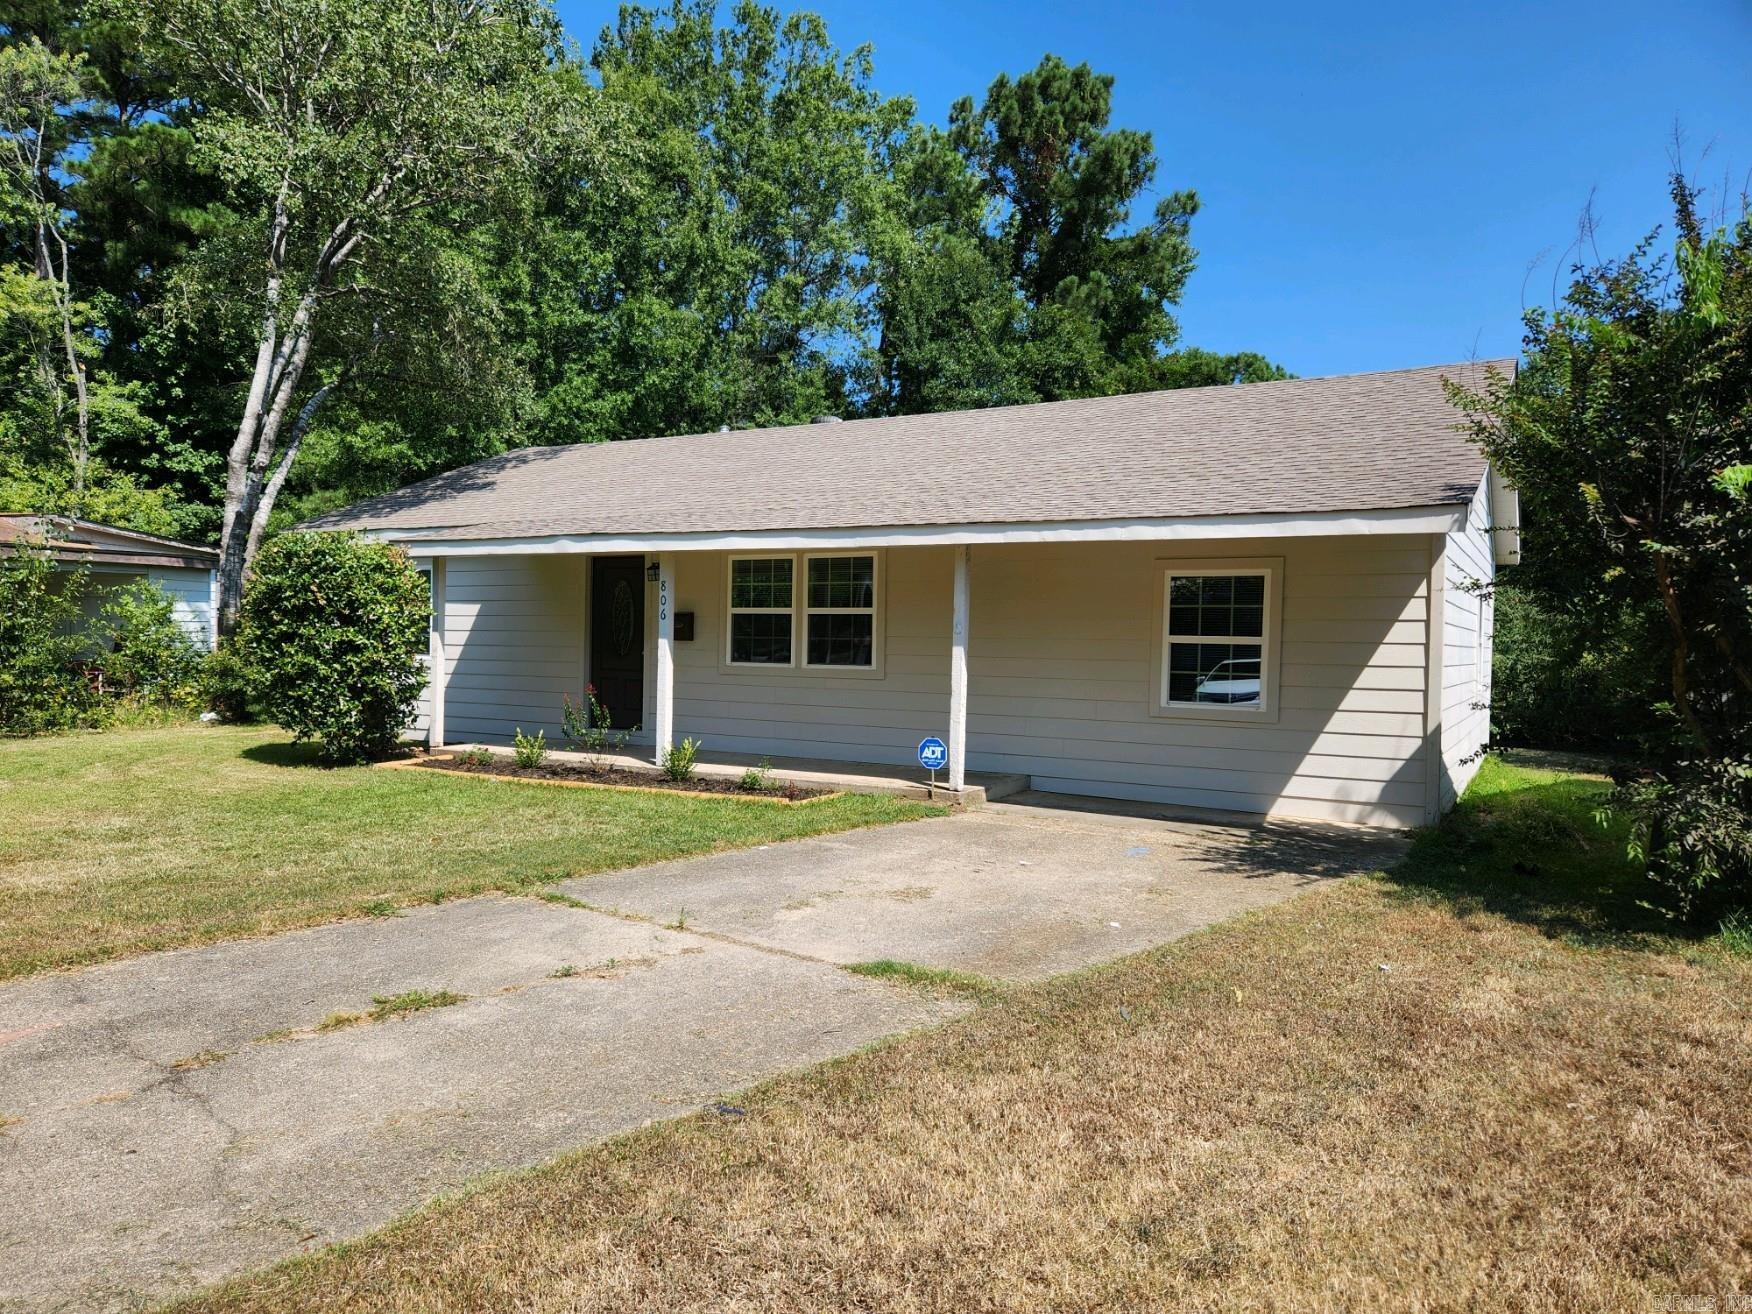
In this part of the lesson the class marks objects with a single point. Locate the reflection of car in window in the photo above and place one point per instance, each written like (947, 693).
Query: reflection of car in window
(1233, 681)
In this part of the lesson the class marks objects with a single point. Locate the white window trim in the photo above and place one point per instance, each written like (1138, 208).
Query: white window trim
(730, 612)
(800, 611)
(1272, 568)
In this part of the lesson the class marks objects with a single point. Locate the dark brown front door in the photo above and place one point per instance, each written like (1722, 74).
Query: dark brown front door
(617, 636)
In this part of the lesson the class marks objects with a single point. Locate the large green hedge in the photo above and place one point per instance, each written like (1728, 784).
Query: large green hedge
(334, 627)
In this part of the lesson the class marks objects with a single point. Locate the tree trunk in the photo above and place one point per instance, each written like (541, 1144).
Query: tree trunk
(252, 478)
(79, 446)
(1678, 672)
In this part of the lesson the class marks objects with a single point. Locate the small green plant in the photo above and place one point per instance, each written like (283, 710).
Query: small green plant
(411, 1001)
(758, 779)
(1736, 933)
(680, 922)
(681, 759)
(478, 756)
(944, 980)
(381, 908)
(206, 1058)
(563, 971)
(530, 749)
(588, 727)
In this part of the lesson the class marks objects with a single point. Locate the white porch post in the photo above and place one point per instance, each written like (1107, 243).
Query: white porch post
(665, 727)
(437, 665)
(958, 674)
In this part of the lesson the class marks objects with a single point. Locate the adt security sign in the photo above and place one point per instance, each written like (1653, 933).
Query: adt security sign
(933, 754)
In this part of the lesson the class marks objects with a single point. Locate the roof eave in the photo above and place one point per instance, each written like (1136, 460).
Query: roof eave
(1437, 519)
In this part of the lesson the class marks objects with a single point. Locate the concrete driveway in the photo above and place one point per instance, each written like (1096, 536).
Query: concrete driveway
(1017, 890)
(181, 1116)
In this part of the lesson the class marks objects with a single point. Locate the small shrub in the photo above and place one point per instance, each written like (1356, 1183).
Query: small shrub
(337, 625)
(231, 683)
(530, 749)
(679, 762)
(41, 685)
(146, 655)
(588, 727)
(757, 779)
(1691, 828)
(478, 756)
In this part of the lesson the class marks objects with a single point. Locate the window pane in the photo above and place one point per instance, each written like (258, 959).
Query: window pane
(1217, 605)
(762, 637)
(761, 582)
(842, 581)
(1223, 673)
(837, 639)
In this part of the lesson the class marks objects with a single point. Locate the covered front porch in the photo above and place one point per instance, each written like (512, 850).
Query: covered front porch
(1045, 664)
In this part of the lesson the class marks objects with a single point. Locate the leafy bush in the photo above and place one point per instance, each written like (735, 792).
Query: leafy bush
(680, 760)
(41, 684)
(1692, 829)
(146, 656)
(1574, 676)
(231, 683)
(336, 626)
(530, 749)
(478, 756)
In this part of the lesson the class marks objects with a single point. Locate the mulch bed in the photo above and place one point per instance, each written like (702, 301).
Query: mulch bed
(566, 773)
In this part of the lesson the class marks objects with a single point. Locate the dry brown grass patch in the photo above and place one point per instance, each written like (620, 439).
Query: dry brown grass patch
(1260, 1117)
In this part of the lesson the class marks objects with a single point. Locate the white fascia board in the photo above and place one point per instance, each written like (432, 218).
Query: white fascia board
(1408, 520)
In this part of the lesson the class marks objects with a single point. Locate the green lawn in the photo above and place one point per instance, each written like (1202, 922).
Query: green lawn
(1489, 1080)
(116, 843)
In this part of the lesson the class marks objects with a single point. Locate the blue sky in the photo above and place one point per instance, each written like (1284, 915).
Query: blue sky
(1383, 185)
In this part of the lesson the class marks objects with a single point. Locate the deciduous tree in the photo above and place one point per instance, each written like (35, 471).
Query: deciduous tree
(357, 140)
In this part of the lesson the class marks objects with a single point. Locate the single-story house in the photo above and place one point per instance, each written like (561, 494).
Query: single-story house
(1262, 597)
(110, 557)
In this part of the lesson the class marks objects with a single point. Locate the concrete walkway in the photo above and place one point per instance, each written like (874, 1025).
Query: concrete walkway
(182, 1116)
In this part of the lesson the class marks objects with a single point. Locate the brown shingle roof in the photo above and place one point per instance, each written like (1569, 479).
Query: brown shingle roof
(1350, 443)
(85, 542)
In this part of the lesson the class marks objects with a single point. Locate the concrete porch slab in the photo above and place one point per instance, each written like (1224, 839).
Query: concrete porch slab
(815, 773)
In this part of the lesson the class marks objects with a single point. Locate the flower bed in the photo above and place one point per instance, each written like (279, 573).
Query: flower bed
(565, 773)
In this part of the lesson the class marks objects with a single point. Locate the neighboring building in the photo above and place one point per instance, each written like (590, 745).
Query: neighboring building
(112, 557)
(1256, 597)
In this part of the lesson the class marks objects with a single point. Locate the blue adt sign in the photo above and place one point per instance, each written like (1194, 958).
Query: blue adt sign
(933, 754)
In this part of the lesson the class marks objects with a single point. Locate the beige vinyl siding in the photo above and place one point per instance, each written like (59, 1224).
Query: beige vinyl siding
(1061, 674)
(1467, 559)
(792, 712)
(514, 639)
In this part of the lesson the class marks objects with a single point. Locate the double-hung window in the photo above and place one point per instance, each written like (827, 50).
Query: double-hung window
(762, 609)
(1217, 639)
(814, 610)
(841, 611)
